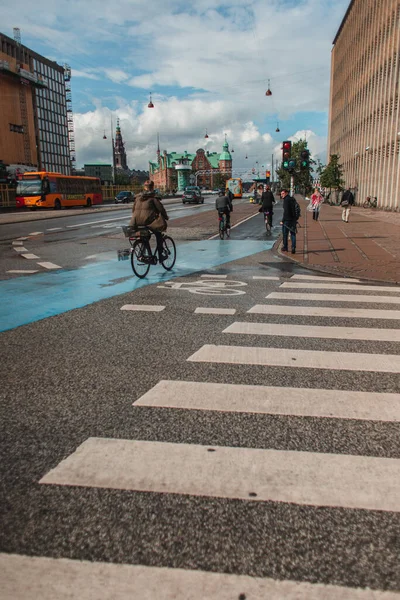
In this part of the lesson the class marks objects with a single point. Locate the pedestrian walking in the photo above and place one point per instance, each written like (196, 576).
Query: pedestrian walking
(346, 203)
(316, 201)
(289, 221)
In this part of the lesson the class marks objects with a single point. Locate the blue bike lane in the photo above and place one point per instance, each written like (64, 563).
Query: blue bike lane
(29, 299)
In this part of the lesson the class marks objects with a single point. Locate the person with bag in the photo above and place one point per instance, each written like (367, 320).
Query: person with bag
(346, 203)
(148, 212)
(267, 203)
(289, 220)
(316, 201)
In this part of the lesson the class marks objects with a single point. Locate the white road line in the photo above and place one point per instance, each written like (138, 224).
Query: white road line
(323, 311)
(20, 249)
(340, 286)
(308, 331)
(215, 276)
(319, 278)
(49, 265)
(36, 233)
(335, 297)
(267, 277)
(22, 239)
(306, 478)
(100, 221)
(66, 579)
(304, 402)
(215, 311)
(143, 307)
(22, 271)
(307, 359)
(54, 229)
(91, 256)
(17, 243)
(29, 256)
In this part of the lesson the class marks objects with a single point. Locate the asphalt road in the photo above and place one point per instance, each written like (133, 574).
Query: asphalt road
(82, 375)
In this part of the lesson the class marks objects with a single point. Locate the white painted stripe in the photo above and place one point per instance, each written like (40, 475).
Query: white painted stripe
(320, 278)
(322, 311)
(143, 307)
(22, 239)
(307, 331)
(97, 222)
(36, 233)
(17, 243)
(49, 265)
(283, 476)
(286, 357)
(91, 256)
(22, 271)
(302, 402)
(334, 297)
(341, 286)
(66, 579)
(20, 249)
(215, 311)
(54, 229)
(215, 276)
(29, 256)
(267, 278)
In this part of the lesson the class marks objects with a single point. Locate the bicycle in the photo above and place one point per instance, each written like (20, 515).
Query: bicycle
(370, 202)
(223, 227)
(142, 256)
(267, 219)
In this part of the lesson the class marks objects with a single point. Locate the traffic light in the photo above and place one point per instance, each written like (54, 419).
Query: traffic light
(305, 159)
(286, 154)
(292, 164)
(267, 176)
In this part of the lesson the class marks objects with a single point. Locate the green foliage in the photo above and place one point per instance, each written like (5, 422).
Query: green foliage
(302, 178)
(332, 174)
(220, 180)
(121, 178)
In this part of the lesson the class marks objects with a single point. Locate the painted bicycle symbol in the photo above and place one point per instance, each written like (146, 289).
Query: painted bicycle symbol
(208, 287)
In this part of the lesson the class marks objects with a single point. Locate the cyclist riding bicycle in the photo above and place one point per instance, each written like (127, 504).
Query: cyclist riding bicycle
(223, 205)
(148, 212)
(267, 204)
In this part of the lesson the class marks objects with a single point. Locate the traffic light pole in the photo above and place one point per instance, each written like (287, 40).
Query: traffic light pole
(291, 184)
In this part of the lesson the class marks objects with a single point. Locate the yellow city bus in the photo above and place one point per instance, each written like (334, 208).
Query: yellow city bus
(235, 186)
(55, 190)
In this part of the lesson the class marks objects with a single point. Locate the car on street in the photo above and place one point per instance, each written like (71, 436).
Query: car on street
(192, 194)
(124, 197)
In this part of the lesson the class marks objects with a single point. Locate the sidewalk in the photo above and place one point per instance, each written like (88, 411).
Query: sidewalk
(367, 247)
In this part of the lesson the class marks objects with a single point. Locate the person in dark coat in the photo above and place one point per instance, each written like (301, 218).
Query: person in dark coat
(346, 203)
(148, 211)
(267, 204)
(288, 221)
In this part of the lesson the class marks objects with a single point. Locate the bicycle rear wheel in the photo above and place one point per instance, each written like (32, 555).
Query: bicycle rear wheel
(141, 258)
(222, 229)
(169, 249)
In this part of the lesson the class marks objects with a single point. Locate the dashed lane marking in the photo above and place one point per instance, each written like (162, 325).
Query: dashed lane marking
(215, 276)
(54, 229)
(20, 249)
(304, 402)
(91, 256)
(340, 286)
(334, 298)
(143, 307)
(267, 277)
(319, 278)
(304, 478)
(49, 578)
(29, 256)
(36, 233)
(215, 311)
(18, 243)
(307, 331)
(323, 311)
(49, 265)
(302, 359)
(22, 271)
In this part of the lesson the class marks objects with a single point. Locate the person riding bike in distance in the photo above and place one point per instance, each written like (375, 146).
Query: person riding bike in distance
(223, 205)
(267, 204)
(148, 212)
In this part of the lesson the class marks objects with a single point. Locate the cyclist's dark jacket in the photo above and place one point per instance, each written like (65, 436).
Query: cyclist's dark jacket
(267, 201)
(223, 203)
(349, 197)
(148, 210)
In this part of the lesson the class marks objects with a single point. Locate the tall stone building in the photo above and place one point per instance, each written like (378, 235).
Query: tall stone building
(364, 123)
(176, 170)
(119, 150)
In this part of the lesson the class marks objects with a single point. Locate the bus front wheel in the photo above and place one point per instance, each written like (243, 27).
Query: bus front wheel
(57, 204)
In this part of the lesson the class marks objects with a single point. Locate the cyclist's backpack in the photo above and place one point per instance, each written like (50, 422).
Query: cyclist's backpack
(297, 209)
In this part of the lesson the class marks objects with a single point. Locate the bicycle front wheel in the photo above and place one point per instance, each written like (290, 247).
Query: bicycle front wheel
(141, 258)
(221, 229)
(169, 252)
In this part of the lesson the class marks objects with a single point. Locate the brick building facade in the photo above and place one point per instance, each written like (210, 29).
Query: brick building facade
(364, 123)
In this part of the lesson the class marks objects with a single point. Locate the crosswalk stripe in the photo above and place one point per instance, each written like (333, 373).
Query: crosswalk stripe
(267, 277)
(321, 278)
(324, 311)
(306, 478)
(49, 265)
(215, 311)
(310, 402)
(309, 331)
(334, 297)
(64, 579)
(17, 243)
(308, 359)
(215, 276)
(340, 286)
(22, 271)
(20, 248)
(29, 256)
(143, 307)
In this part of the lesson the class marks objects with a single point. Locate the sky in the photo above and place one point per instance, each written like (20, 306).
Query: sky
(207, 64)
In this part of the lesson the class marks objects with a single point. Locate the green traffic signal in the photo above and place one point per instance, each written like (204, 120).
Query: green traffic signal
(286, 164)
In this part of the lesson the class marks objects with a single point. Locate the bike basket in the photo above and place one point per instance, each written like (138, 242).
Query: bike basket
(129, 231)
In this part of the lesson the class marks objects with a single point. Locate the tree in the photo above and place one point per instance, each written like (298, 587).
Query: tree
(220, 180)
(303, 179)
(332, 176)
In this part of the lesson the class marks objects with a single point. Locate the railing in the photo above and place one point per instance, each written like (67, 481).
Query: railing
(7, 197)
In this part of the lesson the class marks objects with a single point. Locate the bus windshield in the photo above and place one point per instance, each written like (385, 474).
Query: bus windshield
(29, 187)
